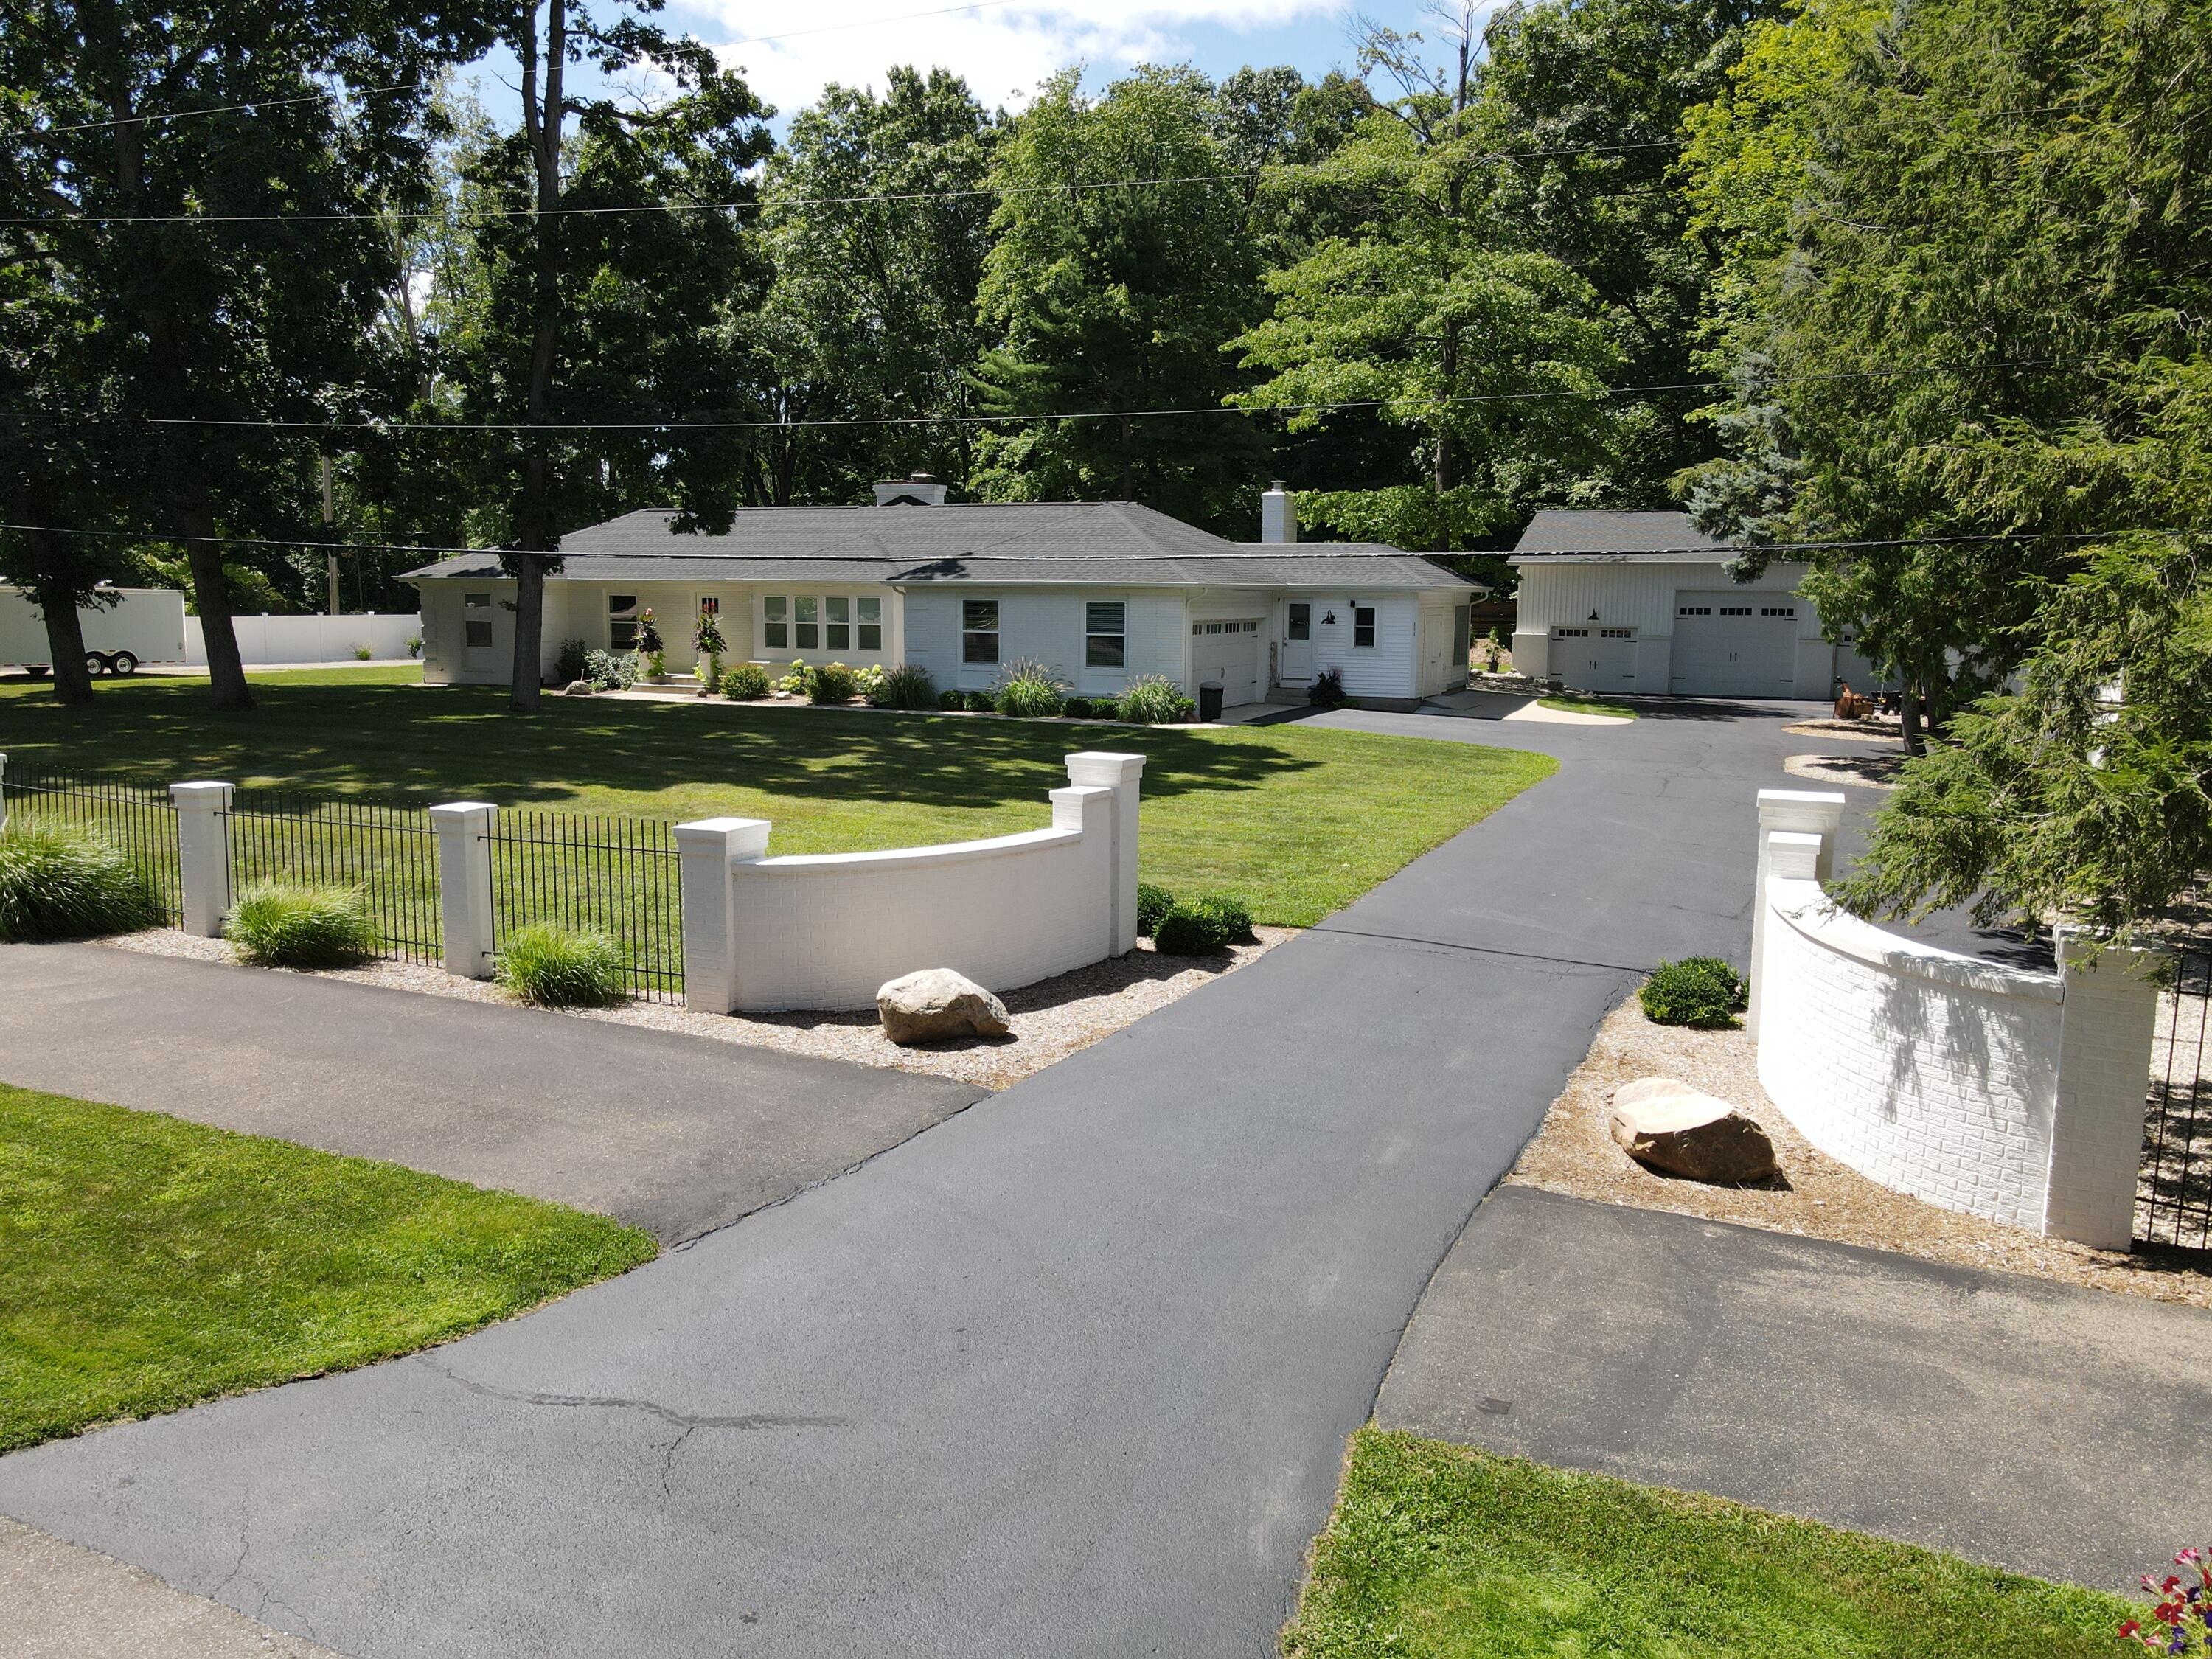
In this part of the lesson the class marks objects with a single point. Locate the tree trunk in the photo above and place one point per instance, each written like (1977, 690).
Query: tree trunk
(64, 642)
(211, 598)
(1908, 719)
(534, 527)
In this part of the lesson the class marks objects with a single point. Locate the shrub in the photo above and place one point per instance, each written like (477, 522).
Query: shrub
(798, 679)
(608, 673)
(54, 885)
(1077, 709)
(414, 645)
(362, 654)
(952, 699)
(555, 968)
(1191, 930)
(1327, 690)
(1152, 700)
(979, 702)
(285, 925)
(1232, 913)
(568, 663)
(744, 681)
(1152, 903)
(832, 683)
(907, 686)
(1701, 991)
(1028, 689)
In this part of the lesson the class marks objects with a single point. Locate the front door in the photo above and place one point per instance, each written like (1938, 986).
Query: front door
(1436, 653)
(1298, 643)
(479, 652)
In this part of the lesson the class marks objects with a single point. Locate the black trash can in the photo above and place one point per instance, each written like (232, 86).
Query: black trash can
(1209, 702)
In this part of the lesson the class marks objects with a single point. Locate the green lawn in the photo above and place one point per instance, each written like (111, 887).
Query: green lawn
(1587, 706)
(1297, 821)
(1437, 1550)
(147, 1263)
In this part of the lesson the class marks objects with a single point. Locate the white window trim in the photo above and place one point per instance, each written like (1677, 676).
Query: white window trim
(822, 651)
(1090, 681)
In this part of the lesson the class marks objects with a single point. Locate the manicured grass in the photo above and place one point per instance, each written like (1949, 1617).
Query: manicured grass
(147, 1263)
(1437, 1550)
(1296, 821)
(1587, 706)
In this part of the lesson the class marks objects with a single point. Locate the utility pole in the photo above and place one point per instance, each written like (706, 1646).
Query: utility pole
(330, 518)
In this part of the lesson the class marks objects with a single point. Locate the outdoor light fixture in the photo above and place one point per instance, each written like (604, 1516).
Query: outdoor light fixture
(1593, 616)
(1329, 620)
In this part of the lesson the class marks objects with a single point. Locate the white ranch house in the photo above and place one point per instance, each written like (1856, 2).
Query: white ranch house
(1642, 602)
(1103, 591)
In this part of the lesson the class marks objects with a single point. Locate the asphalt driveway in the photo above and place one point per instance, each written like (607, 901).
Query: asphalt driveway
(678, 1134)
(1070, 1372)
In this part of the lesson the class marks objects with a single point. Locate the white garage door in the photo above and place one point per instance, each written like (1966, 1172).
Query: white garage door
(1594, 659)
(1227, 653)
(1736, 644)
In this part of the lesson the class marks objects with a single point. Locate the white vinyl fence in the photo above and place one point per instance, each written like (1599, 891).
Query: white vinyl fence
(266, 638)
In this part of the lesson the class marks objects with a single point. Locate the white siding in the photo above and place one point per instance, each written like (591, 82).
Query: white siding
(1643, 597)
(1384, 671)
(932, 633)
(1160, 637)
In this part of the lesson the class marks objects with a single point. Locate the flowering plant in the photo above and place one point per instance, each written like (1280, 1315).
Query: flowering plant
(2181, 1623)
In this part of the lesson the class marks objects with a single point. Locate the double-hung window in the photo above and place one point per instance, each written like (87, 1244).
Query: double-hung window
(808, 621)
(838, 624)
(871, 623)
(1363, 628)
(621, 622)
(775, 624)
(805, 623)
(979, 630)
(1105, 634)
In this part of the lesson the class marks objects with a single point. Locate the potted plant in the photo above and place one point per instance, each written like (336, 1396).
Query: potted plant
(651, 649)
(706, 640)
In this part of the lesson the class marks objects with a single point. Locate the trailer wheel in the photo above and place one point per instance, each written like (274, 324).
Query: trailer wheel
(123, 663)
(96, 663)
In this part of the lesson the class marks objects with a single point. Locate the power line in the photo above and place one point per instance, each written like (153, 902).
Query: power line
(757, 204)
(878, 421)
(422, 86)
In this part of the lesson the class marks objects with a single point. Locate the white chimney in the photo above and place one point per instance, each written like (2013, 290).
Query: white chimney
(915, 489)
(1279, 514)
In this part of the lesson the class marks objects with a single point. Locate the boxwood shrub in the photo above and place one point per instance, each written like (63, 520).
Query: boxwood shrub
(289, 924)
(1700, 991)
(59, 885)
(1191, 930)
(557, 968)
(981, 702)
(1152, 903)
(744, 681)
(952, 699)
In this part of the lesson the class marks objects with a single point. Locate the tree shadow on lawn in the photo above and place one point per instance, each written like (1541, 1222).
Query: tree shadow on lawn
(414, 745)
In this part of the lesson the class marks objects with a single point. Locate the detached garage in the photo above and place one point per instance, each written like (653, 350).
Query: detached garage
(1642, 602)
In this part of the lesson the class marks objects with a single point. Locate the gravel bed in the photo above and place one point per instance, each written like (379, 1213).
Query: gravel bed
(1859, 771)
(1815, 1197)
(1052, 1019)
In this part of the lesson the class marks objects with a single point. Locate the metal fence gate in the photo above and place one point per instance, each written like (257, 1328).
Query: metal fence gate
(2173, 1197)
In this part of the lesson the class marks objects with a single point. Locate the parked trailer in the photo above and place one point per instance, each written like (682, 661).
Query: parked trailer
(145, 625)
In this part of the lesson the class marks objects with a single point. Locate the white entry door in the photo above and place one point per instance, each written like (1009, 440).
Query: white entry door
(1297, 642)
(479, 634)
(1594, 659)
(1227, 653)
(1736, 644)
(1435, 654)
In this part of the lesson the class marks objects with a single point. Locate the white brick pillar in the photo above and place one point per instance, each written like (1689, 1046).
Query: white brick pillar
(2106, 1025)
(1798, 813)
(706, 851)
(464, 830)
(203, 854)
(1124, 775)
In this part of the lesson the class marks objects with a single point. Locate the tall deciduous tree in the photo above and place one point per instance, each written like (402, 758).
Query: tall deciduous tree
(306, 109)
(596, 311)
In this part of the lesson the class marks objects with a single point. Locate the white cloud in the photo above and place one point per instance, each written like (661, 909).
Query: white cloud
(1002, 51)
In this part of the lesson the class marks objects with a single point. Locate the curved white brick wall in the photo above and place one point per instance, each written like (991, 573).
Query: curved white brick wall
(1932, 1073)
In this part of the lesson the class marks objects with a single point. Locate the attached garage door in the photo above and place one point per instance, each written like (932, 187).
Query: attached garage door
(1736, 644)
(1227, 652)
(1594, 659)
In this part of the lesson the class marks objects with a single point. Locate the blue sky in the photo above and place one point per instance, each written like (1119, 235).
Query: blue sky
(1003, 47)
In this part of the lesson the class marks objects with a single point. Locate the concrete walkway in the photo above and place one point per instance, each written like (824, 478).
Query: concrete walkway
(678, 1135)
(1071, 1372)
(2054, 1430)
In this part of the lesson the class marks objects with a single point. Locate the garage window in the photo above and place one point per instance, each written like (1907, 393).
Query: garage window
(1693, 611)
(1363, 628)
(621, 622)
(1105, 634)
(979, 630)
(1616, 633)
(476, 631)
(1777, 610)
(1736, 611)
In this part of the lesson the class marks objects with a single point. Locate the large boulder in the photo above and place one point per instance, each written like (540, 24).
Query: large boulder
(938, 1003)
(1664, 1123)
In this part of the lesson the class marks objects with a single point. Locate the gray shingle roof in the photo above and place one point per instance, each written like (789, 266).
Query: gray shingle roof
(1653, 537)
(1105, 543)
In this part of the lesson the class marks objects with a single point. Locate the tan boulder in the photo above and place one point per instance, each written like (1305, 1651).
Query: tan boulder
(1664, 1123)
(938, 1003)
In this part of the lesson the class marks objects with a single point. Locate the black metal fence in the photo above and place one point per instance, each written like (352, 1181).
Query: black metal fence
(139, 822)
(2173, 1196)
(615, 876)
(388, 854)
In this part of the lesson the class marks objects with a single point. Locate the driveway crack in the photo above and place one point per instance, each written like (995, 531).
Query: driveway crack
(684, 1420)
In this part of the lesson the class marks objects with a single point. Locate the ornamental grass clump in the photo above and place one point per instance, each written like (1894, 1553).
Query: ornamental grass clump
(1028, 690)
(1152, 700)
(289, 924)
(907, 686)
(58, 885)
(744, 681)
(556, 968)
(1699, 991)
